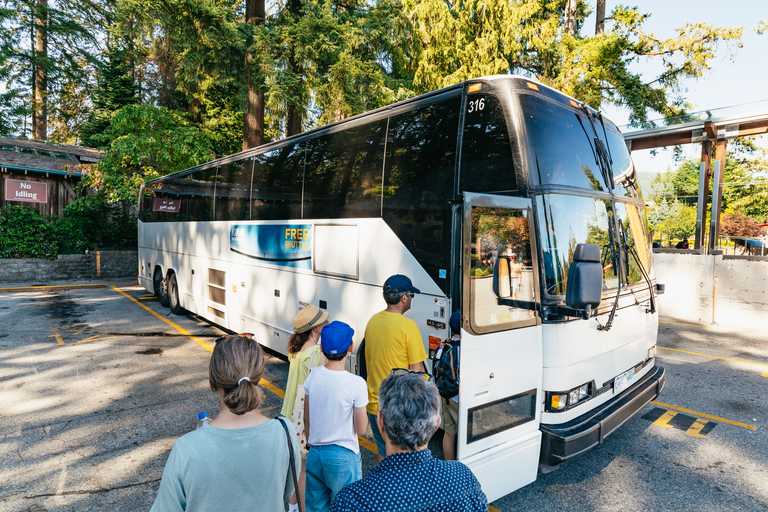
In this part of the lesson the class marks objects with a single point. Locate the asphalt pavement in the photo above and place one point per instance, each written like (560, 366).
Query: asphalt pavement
(98, 382)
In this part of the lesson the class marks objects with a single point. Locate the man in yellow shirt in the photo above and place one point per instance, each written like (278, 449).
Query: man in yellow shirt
(391, 341)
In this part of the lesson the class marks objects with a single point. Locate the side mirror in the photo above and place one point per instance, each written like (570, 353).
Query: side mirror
(502, 281)
(585, 278)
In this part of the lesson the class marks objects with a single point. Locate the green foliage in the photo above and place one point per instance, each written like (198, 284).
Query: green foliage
(92, 223)
(146, 142)
(24, 233)
(115, 89)
(673, 218)
(468, 38)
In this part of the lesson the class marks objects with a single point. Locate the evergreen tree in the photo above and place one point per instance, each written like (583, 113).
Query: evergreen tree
(45, 44)
(115, 89)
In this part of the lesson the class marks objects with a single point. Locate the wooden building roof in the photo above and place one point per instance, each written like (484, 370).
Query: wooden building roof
(45, 157)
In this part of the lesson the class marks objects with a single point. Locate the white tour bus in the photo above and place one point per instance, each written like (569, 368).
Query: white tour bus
(498, 196)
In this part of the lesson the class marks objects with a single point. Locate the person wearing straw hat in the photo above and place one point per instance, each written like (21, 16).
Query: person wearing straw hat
(304, 353)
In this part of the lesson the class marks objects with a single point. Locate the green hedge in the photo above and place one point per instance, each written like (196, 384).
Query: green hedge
(89, 222)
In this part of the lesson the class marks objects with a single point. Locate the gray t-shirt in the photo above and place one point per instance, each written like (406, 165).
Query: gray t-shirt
(234, 470)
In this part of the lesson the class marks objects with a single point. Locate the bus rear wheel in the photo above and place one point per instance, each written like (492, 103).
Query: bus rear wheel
(173, 296)
(160, 287)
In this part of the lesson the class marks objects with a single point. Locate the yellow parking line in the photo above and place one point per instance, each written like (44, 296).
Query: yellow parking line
(56, 335)
(96, 338)
(491, 508)
(710, 416)
(713, 357)
(183, 331)
(764, 374)
(663, 421)
(695, 429)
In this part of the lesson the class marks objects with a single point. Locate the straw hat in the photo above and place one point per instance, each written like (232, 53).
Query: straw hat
(309, 317)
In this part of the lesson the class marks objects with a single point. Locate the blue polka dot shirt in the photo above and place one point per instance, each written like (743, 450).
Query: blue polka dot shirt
(413, 481)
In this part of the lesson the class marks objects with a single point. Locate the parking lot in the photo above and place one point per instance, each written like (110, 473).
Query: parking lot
(98, 382)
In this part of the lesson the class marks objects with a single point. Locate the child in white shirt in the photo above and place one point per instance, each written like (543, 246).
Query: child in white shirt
(334, 415)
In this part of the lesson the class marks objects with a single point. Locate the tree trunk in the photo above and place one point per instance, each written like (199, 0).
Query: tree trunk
(600, 17)
(293, 116)
(294, 113)
(40, 115)
(253, 124)
(569, 24)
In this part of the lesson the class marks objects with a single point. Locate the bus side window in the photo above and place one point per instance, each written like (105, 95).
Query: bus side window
(419, 181)
(486, 153)
(233, 192)
(277, 180)
(197, 191)
(342, 177)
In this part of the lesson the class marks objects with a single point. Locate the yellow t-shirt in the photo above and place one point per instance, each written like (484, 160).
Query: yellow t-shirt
(391, 341)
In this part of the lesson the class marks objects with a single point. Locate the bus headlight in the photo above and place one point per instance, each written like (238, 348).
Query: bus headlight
(578, 394)
(561, 401)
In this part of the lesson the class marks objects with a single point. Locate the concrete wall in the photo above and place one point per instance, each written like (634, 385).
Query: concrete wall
(740, 297)
(95, 265)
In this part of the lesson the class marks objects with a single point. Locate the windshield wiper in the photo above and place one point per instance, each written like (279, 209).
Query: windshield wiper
(604, 159)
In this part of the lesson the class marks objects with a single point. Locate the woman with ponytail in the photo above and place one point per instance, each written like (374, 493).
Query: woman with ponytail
(241, 459)
(303, 354)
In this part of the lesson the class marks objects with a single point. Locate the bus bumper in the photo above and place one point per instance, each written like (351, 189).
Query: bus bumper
(562, 442)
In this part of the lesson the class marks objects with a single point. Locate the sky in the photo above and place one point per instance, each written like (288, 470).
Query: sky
(736, 77)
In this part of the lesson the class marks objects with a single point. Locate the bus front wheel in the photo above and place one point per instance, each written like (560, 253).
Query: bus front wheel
(160, 287)
(173, 296)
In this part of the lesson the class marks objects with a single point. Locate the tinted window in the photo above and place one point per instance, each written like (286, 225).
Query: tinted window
(160, 204)
(233, 191)
(277, 182)
(486, 154)
(622, 165)
(343, 173)
(419, 182)
(197, 191)
(560, 142)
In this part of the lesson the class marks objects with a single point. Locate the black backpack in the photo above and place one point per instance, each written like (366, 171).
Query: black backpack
(445, 366)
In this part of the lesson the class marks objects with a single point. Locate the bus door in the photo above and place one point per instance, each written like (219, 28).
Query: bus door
(501, 344)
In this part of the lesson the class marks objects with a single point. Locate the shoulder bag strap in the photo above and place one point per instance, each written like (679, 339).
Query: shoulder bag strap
(293, 462)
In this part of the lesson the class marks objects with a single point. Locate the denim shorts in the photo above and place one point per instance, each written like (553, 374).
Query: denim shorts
(329, 469)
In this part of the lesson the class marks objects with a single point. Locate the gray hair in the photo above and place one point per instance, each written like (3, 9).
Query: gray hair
(392, 296)
(410, 406)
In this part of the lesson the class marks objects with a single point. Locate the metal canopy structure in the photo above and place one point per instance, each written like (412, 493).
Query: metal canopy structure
(711, 129)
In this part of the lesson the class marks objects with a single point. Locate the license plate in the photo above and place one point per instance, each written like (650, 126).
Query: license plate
(621, 382)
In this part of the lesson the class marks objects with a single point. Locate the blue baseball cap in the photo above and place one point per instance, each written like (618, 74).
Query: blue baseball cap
(455, 321)
(336, 337)
(400, 283)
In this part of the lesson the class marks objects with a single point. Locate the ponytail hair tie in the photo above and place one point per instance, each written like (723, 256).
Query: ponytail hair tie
(241, 380)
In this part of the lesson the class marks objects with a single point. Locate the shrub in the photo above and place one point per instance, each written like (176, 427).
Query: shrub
(93, 223)
(24, 233)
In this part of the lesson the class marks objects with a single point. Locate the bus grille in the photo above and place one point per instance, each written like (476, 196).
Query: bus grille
(217, 278)
(218, 295)
(216, 312)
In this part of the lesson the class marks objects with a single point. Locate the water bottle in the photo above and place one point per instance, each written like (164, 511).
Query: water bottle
(202, 419)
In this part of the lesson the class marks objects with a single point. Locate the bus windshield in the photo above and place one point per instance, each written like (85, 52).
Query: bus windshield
(567, 220)
(562, 146)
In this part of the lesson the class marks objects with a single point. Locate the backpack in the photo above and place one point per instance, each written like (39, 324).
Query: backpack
(445, 366)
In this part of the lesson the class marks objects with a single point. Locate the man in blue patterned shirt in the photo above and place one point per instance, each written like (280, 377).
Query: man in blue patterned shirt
(409, 478)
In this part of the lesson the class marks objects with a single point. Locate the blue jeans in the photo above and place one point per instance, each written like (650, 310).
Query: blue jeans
(329, 469)
(380, 445)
